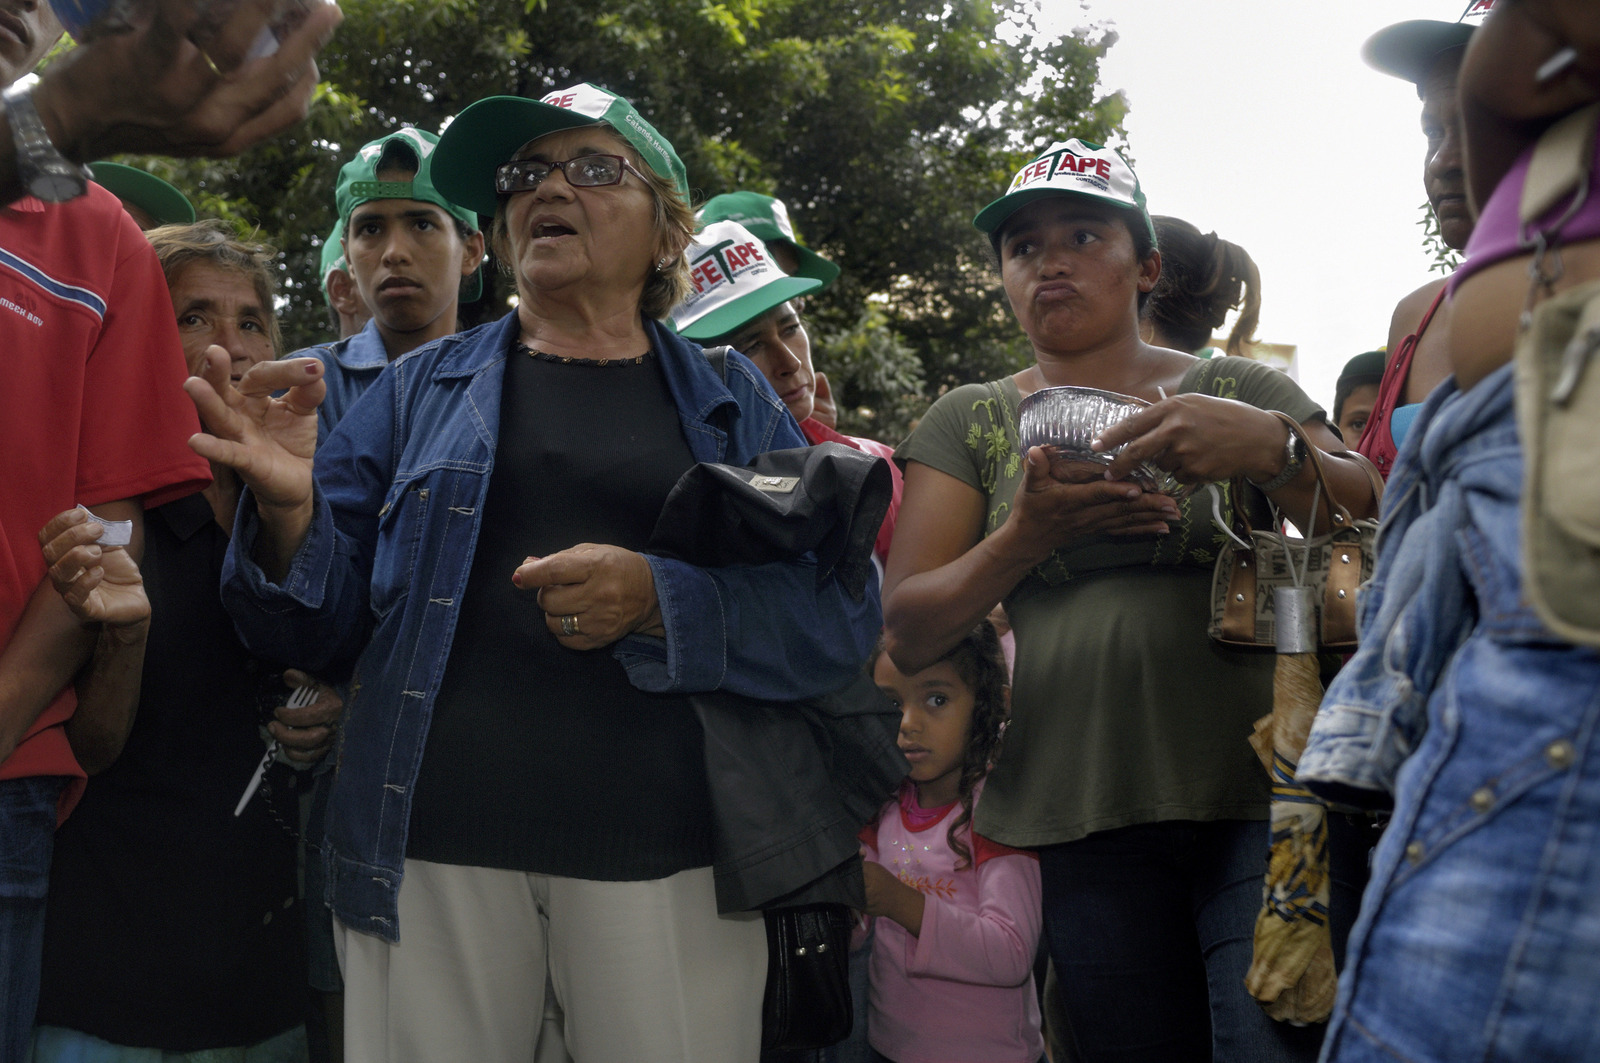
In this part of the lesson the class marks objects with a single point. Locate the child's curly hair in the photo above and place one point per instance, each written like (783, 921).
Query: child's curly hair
(981, 665)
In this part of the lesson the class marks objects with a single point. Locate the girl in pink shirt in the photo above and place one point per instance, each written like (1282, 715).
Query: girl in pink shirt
(952, 957)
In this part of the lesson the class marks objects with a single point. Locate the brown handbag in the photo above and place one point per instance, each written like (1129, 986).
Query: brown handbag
(1333, 564)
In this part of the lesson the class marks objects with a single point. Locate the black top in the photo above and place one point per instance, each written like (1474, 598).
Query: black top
(540, 758)
(170, 923)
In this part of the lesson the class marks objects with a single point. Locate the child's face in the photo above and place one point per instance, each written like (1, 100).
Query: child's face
(935, 716)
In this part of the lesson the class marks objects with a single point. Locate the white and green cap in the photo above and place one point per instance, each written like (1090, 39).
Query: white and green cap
(1074, 168)
(489, 132)
(734, 280)
(768, 219)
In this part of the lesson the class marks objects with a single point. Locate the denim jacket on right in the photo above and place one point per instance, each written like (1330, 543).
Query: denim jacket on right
(1419, 606)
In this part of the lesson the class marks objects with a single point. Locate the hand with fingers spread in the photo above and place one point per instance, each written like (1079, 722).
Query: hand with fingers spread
(593, 595)
(268, 441)
(172, 82)
(1199, 439)
(307, 733)
(1065, 502)
(101, 584)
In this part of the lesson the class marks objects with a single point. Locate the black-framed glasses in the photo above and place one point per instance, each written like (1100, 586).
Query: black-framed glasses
(585, 171)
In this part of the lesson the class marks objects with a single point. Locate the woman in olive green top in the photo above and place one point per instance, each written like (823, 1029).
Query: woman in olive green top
(1127, 763)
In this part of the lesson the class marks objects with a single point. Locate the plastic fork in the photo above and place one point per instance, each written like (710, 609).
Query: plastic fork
(299, 698)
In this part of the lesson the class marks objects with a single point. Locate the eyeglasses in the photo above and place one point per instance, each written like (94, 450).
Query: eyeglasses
(586, 171)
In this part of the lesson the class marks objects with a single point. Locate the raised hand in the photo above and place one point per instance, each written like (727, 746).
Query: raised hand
(172, 83)
(100, 584)
(268, 441)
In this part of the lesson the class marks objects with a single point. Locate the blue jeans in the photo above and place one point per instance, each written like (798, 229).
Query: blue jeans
(1151, 928)
(27, 838)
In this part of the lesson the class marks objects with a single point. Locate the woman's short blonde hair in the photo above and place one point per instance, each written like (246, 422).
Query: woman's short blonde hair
(214, 243)
(674, 224)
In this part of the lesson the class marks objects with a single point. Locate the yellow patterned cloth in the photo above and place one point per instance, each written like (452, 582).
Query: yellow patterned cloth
(1292, 972)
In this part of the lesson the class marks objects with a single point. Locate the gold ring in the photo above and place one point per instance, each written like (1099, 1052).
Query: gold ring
(569, 625)
(210, 62)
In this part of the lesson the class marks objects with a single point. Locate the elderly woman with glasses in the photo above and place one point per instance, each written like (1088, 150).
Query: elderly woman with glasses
(519, 829)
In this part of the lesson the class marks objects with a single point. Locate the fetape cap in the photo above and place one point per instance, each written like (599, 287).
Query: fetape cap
(735, 282)
(767, 219)
(1070, 167)
(489, 132)
(1407, 50)
(358, 184)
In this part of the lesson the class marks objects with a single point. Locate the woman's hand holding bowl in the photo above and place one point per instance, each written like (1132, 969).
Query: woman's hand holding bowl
(1061, 503)
(1198, 439)
(603, 593)
(100, 584)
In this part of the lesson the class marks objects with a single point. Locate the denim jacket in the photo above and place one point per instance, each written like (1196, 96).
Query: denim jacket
(1419, 607)
(376, 585)
(351, 365)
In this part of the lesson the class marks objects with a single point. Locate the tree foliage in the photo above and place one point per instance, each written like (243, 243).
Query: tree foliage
(884, 124)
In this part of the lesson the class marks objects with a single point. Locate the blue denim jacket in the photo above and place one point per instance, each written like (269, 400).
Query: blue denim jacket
(377, 583)
(1419, 607)
(351, 366)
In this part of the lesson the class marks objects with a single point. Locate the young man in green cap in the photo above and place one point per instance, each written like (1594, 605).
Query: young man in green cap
(413, 255)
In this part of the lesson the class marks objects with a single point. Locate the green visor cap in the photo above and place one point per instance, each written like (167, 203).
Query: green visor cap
(735, 281)
(1070, 168)
(768, 219)
(488, 133)
(164, 203)
(1407, 50)
(358, 184)
(332, 256)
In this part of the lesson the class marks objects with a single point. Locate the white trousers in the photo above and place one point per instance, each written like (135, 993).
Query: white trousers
(506, 967)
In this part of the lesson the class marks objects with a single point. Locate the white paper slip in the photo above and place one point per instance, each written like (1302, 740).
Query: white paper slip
(112, 532)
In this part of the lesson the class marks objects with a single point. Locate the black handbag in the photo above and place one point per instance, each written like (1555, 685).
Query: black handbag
(808, 977)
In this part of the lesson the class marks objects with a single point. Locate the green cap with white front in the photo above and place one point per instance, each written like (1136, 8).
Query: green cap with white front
(488, 133)
(358, 184)
(768, 219)
(735, 281)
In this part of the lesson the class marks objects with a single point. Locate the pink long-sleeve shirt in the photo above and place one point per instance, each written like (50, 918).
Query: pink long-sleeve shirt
(962, 992)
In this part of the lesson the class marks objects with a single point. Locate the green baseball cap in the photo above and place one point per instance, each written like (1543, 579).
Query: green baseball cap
(1072, 168)
(358, 184)
(164, 203)
(332, 256)
(489, 132)
(768, 219)
(735, 281)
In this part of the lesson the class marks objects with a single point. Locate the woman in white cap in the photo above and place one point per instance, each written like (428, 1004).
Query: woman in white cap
(752, 305)
(1127, 763)
(519, 825)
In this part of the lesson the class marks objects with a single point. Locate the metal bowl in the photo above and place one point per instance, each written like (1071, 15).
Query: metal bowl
(1066, 420)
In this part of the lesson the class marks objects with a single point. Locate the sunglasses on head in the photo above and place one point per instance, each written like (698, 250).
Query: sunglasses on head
(585, 171)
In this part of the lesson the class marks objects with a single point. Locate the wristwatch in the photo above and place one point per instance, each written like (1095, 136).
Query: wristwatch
(41, 168)
(1294, 461)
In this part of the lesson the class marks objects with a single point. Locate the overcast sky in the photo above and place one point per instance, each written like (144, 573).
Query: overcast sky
(1258, 119)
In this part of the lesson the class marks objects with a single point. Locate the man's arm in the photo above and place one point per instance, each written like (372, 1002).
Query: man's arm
(152, 90)
(51, 645)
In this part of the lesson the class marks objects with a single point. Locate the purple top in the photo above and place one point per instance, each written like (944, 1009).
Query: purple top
(1497, 236)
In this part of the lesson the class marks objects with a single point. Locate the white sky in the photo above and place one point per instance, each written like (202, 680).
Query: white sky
(1258, 119)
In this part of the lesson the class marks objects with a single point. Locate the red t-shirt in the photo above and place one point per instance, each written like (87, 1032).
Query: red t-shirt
(94, 405)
